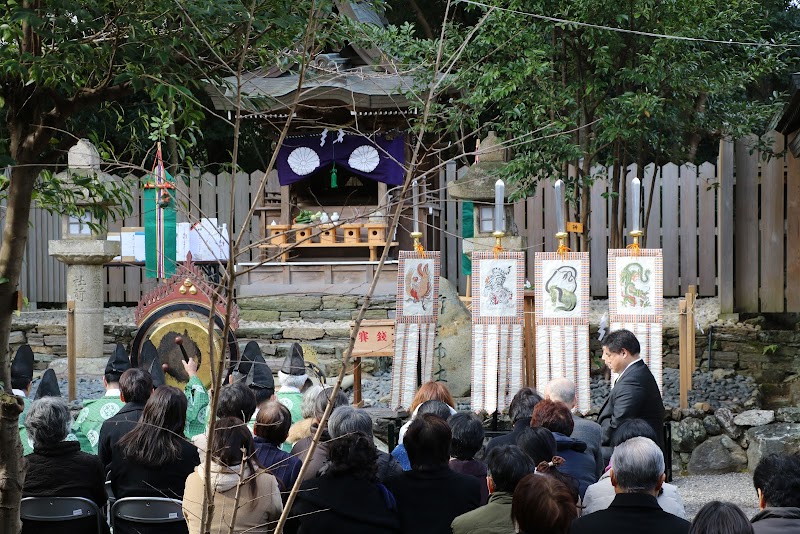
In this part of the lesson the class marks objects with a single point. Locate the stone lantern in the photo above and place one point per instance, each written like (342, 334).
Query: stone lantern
(478, 185)
(84, 251)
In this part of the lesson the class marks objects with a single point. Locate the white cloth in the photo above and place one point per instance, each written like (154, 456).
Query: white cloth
(113, 392)
(19, 393)
(600, 495)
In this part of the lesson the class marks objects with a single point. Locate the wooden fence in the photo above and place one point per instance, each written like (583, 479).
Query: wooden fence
(735, 219)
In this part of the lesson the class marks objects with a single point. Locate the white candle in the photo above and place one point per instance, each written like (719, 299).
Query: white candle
(558, 188)
(636, 204)
(499, 206)
(415, 193)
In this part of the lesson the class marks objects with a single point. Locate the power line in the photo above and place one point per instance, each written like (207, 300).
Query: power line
(634, 32)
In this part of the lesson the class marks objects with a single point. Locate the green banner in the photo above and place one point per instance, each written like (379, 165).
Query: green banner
(159, 227)
(467, 232)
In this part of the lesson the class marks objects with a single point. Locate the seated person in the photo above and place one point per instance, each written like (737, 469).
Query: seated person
(556, 417)
(348, 420)
(321, 452)
(272, 427)
(58, 468)
(428, 391)
(21, 381)
(234, 470)
(154, 459)
(718, 517)
(467, 440)
(600, 495)
(637, 475)
(135, 387)
(438, 408)
(540, 445)
(431, 495)
(302, 429)
(235, 400)
(520, 411)
(96, 411)
(328, 503)
(292, 376)
(507, 465)
(777, 483)
(542, 503)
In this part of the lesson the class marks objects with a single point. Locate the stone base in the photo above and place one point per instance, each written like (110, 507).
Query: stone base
(85, 366)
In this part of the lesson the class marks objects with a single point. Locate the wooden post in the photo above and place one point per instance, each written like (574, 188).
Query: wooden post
(682, 361)
(357, 402)
(530, 339)
(691, 358)
(71, 363)
(725, 226)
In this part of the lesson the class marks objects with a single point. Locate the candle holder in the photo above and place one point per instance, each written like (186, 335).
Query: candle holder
(634, 247)
(562, 243)
(498, 241)
(417, 244)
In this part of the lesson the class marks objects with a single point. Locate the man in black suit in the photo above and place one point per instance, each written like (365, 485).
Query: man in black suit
(637, 475)
(635, 394)
(135, 387)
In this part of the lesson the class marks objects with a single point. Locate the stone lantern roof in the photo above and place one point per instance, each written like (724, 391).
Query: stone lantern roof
(478, 182)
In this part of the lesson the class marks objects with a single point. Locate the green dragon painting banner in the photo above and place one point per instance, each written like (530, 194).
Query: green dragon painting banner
(562, 321)
(636, 301)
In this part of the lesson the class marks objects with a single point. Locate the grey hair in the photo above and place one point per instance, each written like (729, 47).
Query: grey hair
(309, 399)
(322, 401)
(562, 390)
(347, 420)
(48, 421)
(638, 464)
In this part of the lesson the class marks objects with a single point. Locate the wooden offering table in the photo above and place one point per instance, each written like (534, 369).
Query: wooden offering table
(321, 236)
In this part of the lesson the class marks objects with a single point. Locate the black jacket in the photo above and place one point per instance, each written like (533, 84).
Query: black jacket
(133, 479)
(62, 470)
(631, 513)
(577, 462)
(115, 427)
(343, 504)
(508, 439)
(634, 396)
(428, 501)
(777, 521)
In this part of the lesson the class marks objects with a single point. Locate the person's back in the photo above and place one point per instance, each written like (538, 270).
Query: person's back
(58, 468)
(320, 455)
(135, 386)
(637, 478)
(520, 411)
(507, 465)
(431, 495)
(272, 426)
(467, 440)
(777, 482)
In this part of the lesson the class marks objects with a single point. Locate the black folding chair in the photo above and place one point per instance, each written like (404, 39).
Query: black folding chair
(60, 509)
(147, 510)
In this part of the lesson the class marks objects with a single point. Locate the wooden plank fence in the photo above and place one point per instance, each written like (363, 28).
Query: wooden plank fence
(749, 260)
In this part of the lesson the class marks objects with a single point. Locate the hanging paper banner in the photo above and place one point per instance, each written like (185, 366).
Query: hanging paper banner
(562, 321)
(159, 221)
(416, 316)
(498, 363)
(636, 301)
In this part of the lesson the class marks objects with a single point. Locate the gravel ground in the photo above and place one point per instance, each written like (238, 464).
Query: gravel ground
(732, 487)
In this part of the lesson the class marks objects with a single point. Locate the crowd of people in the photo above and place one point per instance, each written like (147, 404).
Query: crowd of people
(554, 472)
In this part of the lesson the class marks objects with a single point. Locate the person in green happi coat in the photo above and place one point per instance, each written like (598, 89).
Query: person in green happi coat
(293, 377)
(21, 378)
(95, 411)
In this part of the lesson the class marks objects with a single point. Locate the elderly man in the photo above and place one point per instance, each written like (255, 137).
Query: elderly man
(777, 482)
(563, 390)
(635, 394)
(637, 477)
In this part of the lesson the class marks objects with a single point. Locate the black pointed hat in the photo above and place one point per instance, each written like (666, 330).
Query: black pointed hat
(246, 361)
(22, 366)
(118, 362)
(150, 362)
(48, 386)
(261, 373)
(294, 364)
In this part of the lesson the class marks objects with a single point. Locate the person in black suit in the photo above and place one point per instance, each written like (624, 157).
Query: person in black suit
(637, 475)
(135, 387)
(635, 394)
(431, 495)
(520, 411)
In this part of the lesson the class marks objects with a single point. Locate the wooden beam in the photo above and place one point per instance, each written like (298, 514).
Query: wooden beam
(725, 226)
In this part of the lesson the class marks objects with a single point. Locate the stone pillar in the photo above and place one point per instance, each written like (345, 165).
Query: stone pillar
(85, 285)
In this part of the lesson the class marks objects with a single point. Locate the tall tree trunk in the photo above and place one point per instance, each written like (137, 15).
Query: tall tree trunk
(15, 235)
(614, 175)
(695, 138)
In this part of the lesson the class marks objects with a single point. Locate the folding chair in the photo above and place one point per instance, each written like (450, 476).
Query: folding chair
(147, 510)
(60, 509)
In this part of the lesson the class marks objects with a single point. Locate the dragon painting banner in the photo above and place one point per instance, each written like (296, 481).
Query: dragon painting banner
(497, 329)
(636, 301)
(415, 330)
(562, 321)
